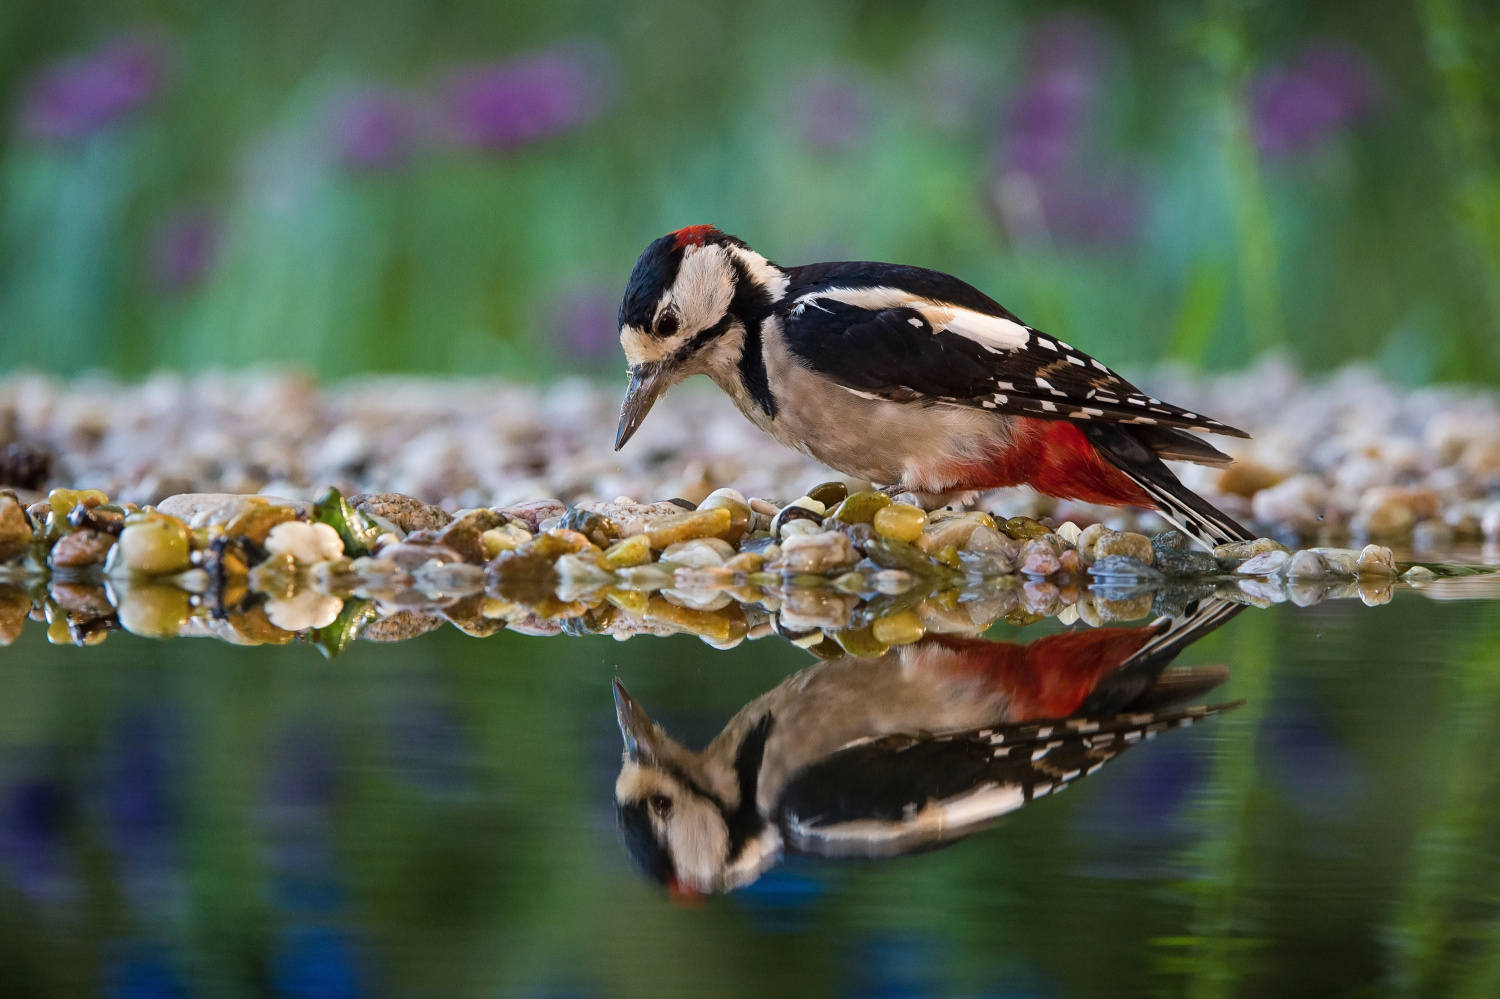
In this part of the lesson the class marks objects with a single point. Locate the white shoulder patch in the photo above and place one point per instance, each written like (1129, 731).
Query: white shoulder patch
(990, 331)
(765, 273)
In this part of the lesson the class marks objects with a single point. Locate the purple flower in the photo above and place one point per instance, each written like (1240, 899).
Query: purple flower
(505, 106)
(1064, 58)
(832, 112)
(1049, 185)
(1327, 87)
(585, 320)
(36, 818)
(75, 98)
(138, 813)
(375, 129)
(184, 248)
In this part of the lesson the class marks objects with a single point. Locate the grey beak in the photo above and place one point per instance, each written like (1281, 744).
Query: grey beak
(647, 383)
(635, 727)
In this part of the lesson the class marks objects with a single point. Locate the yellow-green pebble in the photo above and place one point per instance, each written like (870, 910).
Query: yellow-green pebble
(153, 611)
(1024, 528)
(62, 501)
(683, 527)
(155, 544)
(900, 521)
(504, 539)
(634, 550)
(901, 628)
(860, 508)
(57, 631)
(861, 643)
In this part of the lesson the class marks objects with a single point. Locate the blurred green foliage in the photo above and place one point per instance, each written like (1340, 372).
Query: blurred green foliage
(292, 183)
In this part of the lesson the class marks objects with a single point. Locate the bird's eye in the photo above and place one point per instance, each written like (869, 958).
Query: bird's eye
(666, 323)
(661, 805)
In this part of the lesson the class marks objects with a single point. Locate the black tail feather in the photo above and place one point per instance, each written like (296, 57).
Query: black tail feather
(1191, 513)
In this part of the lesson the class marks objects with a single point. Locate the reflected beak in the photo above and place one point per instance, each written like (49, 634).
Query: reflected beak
(647, 383)
(635, 728)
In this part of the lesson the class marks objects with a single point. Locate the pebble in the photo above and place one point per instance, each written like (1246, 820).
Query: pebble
(699, 553)
(1489, 523)
(861, 508)
(1070, 532)
(988, 541)
(1310, 565)
(152, 610)
(1419, 574)
(15, 528)
(1246, 477)
(1037, 558)
(1123, 567)
(1299, 503)
(740, 513)
(1178, 562)
(1265, 563)
(303, 610)
(799, 527)
(901, 628)
(815, 552)
(407, 512)
(1087, 539)
(794, 514)
(1377, 560)
(1249, 549)
(830, 494)
(1137, 546)
(155, 544)
(512, 536)
(900, 521)
(80, 549)
(306, 543)
(665, 531)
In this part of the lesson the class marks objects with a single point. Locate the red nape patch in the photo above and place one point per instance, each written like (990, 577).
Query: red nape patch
(693, 235)
(1053, 457)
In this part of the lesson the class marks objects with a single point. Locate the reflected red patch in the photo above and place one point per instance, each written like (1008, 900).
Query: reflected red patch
(693, 235)
(1052, 676)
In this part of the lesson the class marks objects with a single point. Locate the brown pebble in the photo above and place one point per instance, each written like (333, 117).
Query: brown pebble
(1137, 546)
(405, 512)
(400, 626)
(14, 607)
(80, 549)
(86, 600)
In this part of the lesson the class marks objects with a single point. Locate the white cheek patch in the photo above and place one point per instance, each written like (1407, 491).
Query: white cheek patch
(992, 332)
(703, 289)
(643, 348)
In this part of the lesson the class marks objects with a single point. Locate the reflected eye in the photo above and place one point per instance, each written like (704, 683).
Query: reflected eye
(661, 805)
(666, 323)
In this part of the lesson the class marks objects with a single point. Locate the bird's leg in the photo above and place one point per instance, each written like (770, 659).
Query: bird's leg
(960, 499)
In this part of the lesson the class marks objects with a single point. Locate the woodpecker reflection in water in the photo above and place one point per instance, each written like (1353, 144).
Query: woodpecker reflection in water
(909, 752)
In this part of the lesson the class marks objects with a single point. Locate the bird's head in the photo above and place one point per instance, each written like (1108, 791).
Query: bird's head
(676, 830)
(691, 297)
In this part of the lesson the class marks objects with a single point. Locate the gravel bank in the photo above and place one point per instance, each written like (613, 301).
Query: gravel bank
(1348, 456)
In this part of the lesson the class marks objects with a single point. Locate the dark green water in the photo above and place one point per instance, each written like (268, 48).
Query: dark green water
(435, 819)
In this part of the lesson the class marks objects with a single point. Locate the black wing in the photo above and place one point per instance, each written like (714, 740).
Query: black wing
(903, 794)
(838, 321)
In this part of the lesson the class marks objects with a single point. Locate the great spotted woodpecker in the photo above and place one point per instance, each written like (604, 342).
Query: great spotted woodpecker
(914, 750)
(905, 377)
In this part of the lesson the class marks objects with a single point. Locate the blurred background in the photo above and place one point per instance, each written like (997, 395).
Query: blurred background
(456, 186)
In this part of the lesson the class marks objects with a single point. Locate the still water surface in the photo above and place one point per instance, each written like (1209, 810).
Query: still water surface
(437, 818)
